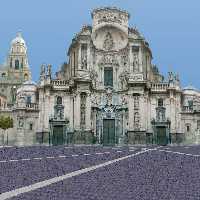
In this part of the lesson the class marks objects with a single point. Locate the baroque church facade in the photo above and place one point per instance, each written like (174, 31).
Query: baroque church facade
(108, 92)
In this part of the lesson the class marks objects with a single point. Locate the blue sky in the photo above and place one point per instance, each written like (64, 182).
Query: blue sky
(171, 27)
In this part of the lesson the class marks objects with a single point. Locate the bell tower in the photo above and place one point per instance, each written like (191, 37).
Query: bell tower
(18, 60)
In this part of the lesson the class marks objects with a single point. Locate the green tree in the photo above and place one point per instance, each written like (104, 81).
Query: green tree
(6, 122)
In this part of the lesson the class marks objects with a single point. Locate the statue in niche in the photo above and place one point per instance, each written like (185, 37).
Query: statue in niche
(84, 62)
(108, 42)
(109, 99)
(94, 76)
(136, 120)
(59, 113)
(125, 60)
(94, 99)
(136, 102)
(21, 123)
(135, 63)
(160, 115)
(124, 100)
(123, 79)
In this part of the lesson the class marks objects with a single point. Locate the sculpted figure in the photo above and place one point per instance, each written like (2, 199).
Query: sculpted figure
(42, 69)
(108, 42)
(135, 63)
(49, 70)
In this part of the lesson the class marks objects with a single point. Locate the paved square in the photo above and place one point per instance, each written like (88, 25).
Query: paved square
(95, 172)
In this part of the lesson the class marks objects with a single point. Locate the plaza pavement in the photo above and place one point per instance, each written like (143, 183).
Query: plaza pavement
(98, 173)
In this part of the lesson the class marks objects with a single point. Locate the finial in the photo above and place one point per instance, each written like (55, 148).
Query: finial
(19, 33)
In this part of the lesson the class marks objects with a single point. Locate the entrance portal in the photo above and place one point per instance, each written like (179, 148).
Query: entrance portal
(108, 132)
(161, 136)
(58, 137)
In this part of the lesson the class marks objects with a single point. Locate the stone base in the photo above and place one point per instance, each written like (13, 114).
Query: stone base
(177, 138)
(136, 137)
(81, 137)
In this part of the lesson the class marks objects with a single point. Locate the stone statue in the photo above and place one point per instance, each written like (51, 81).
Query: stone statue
(94, 99)
(94, 76)
(84, 62)
(49, 70)
(123, 79)
(171, 77)
(137, 120)
(124, 100)
(42, 70)
(135, 63)
(108, 42)
(136, 102)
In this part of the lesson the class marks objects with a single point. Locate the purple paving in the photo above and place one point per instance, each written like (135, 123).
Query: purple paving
(28, 172)
(151, 175)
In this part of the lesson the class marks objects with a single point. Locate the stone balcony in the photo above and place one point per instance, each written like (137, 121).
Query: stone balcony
(32, 106)
(26, 106)
(60, 84)
(5, 109)
(159, 87)
(187, 109)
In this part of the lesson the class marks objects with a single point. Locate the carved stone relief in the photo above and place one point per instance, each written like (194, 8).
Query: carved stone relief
(109, 59)
(108, 42)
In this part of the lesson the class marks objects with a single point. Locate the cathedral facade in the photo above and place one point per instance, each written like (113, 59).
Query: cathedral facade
(108, 92)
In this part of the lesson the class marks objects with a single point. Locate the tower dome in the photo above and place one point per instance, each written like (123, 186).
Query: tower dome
(18, 60)
(18, 39)
(18, 45)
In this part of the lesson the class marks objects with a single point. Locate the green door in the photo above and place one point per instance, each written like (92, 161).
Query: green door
(161, 136)
(58, 136)
(108, 131)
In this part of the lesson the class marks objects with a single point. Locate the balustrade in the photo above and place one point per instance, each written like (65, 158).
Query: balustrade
(59, 82)
(159, 86)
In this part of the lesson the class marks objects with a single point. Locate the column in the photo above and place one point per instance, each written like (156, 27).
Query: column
(79, 57)
(88, 112)
(140, 60)
(131, 59)
(77, 111)
(131, 112)
(88, 57)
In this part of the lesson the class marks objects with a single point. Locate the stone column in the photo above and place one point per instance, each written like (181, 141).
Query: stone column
(88, 112)
(88, 57)
(115, 70)
(131, 111)
(131, 59)
(71, 114)
(94, 121)
(140, 60)
(77, 111)
(79, 57)
(101, 75)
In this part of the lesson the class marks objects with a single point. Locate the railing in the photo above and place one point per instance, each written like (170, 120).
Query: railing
(32, 106)
(5, 109)
(159, 86)
(59, 82)
(187, 109)
(14, 81)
